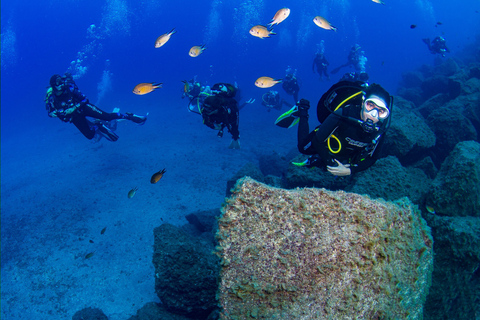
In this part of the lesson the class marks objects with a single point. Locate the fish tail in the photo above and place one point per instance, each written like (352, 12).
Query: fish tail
(172, 31)
(334, 28)
(157, 84)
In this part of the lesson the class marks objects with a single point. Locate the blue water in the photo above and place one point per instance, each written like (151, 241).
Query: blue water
(59, 189)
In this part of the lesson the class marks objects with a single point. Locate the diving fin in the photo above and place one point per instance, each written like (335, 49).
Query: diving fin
(289, 118)
(235, 144)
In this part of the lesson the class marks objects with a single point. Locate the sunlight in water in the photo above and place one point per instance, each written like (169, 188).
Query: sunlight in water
(105, 83)
(246, 15)
(115, 18)
(214, 23)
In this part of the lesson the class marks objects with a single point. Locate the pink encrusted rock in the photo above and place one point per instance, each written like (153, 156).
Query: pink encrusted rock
(317, 254)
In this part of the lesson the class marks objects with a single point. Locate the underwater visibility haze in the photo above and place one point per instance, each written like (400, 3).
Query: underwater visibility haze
(77, 216)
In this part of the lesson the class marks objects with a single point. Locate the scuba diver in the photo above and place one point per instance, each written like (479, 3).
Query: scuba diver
(290, 84)
(356, 58)
(272, 100)
(219, 110)
(321, 63)
(438, 45)
(354, 117)
(64, 101)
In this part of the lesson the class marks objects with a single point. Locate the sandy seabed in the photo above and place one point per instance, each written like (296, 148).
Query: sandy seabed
(59, 190)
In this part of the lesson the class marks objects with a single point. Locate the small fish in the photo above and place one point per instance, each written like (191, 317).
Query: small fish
(413, 26)
(439, 23)
(281, 15)
(91, 241)
(157, 176)
(323, 23)
(186, 86)
(103, 230)
(164, 38)
(195, 51)
(144, 88)
(430, 209)
(379, 2)
(261, 32)
(89, 255)
(266, 82)
(132, 192)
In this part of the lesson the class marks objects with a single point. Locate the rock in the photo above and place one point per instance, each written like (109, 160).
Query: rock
(274, 181)
(89, 314)
(471, 86)
(448, 67)
(412, 79)
(318, 254)
(155, 311)
(450, 127)
(298, 176)
(433, 103)
(272, 164)
(440, 84)
(411, 94)
(427, 166)
(248, 170)
(456, 278)
(409, 136)
(389, 180)
(456, 189)
(185, 272)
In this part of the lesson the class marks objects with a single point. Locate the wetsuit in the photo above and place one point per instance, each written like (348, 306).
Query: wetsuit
(356, 147)
(221, 112)
(321, 63)
(290, 85)
(73, 106)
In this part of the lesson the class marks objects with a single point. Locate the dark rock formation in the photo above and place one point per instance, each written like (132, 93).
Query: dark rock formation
(455, 291)
(89, 314)
(389, 180)
(155, 311)
(248, 170)
(456, 188)
(186, 272)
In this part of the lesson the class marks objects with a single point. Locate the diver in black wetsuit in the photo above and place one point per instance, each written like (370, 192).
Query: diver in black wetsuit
(66, 102)
(321, 63)
(351, 134)
(437, 46)
(220, 111)
(290, 85)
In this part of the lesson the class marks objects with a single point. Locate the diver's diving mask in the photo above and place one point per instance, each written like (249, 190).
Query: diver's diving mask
(376, 107)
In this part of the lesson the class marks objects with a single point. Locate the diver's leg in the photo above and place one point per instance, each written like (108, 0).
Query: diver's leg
(84, 126)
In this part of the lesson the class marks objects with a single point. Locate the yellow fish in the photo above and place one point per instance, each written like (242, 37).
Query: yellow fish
(323, 23)
(195, 51)
(157, 176)
(144, 88)
(281, 15)
(164, 38)
(379, 1)
(266, 82)
(261, 32)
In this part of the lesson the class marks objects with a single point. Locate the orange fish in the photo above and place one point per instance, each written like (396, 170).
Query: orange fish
(157, 176)
(195, 51)
(281, 15)
(261, 32)
(323, 23)
(164, 38)
(144, 88)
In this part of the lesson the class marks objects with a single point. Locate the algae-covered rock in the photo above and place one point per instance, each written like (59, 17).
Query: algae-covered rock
(313, 253)
(456, 189)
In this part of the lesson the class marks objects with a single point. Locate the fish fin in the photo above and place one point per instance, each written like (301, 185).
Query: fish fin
(172, 31)
(157, 84)
(334, 28)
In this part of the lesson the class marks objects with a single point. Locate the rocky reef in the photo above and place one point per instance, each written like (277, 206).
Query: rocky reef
(313, 253)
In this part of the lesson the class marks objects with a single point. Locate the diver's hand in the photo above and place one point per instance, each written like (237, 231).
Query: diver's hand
(250, 101)
(304, 103)
(341, 170)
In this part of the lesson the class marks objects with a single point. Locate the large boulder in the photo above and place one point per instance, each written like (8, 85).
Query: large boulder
(389, 180)
(456, 275)
(409, 136)
(185, 272)
(456, 189)
(318, 254)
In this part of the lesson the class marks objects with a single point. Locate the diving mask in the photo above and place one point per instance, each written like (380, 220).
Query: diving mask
(376, 107)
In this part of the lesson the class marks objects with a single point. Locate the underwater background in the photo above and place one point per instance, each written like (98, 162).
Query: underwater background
(59, 190)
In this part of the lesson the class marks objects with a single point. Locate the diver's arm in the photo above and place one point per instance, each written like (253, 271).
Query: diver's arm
(368, 160)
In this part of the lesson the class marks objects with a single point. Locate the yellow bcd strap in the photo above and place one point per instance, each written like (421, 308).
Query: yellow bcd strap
(351, 97)
(338, 141)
